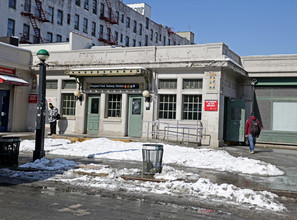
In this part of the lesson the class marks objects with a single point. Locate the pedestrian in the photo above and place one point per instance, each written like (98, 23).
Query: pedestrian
(252, 131)
(53, 116)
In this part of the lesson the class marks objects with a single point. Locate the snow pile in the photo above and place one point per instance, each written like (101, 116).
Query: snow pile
(45, 164)
(184, 156)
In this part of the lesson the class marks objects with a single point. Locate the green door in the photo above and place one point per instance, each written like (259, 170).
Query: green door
(235, 120)
(93, 114)
(135, 116)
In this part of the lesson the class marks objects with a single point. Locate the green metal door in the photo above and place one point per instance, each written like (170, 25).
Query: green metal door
(235, 120)
(93, 114)
(135, 116)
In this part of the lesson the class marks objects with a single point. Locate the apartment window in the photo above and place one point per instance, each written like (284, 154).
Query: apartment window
(121, 38)
(147, 20)
(167, 84)
(60, 17)
(169, 42)
(156, 37)
(134, 26)
(86, 4)
(27, 6)
(116, 36)
(51, 84)
(10, 27)
(160, 37)
(139, 43)
(26, 32)
(51, 14)
(109, 11)
(123, 17)
(85, 25)
(192, 107)
(114, 105)
(108, 34)
(127, 42)
(102, 10)
(93, 28)
(192, 84)
(134, 43)
(95, 6)
(151, 35)
(68, 104)
(146, 40)
(58, 38)
(127, 22)
(77, 2)
(69, 84)
(167, 106)
(68, 18)
(164, 41)
(76, 22)
(12, 3)
(117, 16)
(140, 29)
(49, 37)
(101, 31)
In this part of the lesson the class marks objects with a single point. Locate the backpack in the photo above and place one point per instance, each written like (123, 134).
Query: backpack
(255, 131)
(58, 116)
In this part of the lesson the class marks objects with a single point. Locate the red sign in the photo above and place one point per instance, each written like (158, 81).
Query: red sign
(33, 98)
(7, 71)
(211, 105)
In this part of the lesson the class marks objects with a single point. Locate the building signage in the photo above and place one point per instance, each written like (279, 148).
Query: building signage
(114, 86)
(211, 105)
(32, 98)
(7, 71)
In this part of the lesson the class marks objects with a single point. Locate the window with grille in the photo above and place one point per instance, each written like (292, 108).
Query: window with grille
(167, 84)
(192, 84)
(68, 104)
(51, 84)
(114, 105)
(167, 107)
(192, 107)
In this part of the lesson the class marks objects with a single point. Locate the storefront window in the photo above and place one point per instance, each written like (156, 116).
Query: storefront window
(51, 84)
(192, 84)
(167, 84)
(114, 105)
(192, 106)
(68, 104)
(167, 107)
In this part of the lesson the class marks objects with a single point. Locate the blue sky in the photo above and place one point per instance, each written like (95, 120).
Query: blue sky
(248, 27)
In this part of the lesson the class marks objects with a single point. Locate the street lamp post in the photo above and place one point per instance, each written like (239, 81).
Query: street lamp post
(38, 153)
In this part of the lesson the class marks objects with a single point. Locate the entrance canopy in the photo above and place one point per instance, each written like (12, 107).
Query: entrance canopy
(13, 80)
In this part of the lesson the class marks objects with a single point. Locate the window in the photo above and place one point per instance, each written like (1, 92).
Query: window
(68, 84)
(123, 17)
(93, 28)
(288, 111)
(127, 42)
(140, 29)
(114, 105)
(68, 104)
(77, 2)
(127, 22)
(156, 37)
(168, 41)
(76, 22)
(139, 43)
(116, 36)
(26, 32)
(134, 43)
(147, 23)
(95, 6)
(146, 40)
(192, 107)
(10, 27)
(160, 37)
(192, 84)
(167, 107)
(85, 25)
(59, 38)
(51, 14)
(51, 84)
(108, 34)
(49, 37)
(101, 31)
(60, 17)
(164, 41)
(68, 19)
(109, 12)
(12, 3)
(134, 26)
(102, 10)
(117, 16)
(167, 84)
(27, 6)
(151, 35)
(121, 38)
(86, 4)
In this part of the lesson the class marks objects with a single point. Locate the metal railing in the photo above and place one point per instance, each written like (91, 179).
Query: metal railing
(175, 131)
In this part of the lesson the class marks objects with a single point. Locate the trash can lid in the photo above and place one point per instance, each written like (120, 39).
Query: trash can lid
(152, 146)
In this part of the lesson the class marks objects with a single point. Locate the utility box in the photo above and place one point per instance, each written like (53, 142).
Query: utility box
(9, 150)
(152, 155)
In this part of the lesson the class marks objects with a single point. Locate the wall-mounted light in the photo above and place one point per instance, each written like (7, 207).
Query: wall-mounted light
(147, 96)
(78, 95)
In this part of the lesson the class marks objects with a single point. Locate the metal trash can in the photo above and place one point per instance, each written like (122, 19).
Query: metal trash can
(9, 150)
(152, 155)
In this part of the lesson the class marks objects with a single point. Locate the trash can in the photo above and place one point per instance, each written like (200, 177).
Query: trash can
(152, 155)
(9, 150)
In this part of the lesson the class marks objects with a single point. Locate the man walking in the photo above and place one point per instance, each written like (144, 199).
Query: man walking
(252, 131)
(52, 118)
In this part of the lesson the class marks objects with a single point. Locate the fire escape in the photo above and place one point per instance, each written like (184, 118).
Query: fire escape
(39, 15)
(171, 33)
(109, 20)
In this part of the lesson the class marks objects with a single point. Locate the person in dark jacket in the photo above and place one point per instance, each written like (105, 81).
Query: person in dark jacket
(248, 134)
(52, 118)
